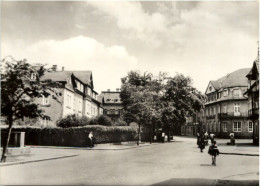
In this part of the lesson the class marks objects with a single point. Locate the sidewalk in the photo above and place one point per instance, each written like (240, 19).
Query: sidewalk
(36, 155)
(242, 147)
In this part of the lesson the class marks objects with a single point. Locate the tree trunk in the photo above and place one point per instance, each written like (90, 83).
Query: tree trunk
(168, 135)
(139, 128)
(3, 158)
(151, 133)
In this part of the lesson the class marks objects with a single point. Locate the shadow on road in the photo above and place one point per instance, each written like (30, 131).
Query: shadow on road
(205, 165)
(208, 182)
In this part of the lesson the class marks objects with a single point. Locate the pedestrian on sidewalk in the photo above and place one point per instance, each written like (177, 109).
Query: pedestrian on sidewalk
(201, 143)
(212, 136)
(91, 140)
(163, 136)
(206, 138)
(214, 152)
(198, 139)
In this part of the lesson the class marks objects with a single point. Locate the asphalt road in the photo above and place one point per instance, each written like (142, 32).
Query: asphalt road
(164, 163)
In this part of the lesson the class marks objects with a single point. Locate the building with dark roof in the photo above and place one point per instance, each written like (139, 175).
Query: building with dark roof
(77, 95)
(112, 103)
(253, 99)
(226, 109)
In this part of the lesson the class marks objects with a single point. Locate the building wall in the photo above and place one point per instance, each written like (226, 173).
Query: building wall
(78, 104)
(68, 102)
(49, 107)
(87, 104)
(220, 111)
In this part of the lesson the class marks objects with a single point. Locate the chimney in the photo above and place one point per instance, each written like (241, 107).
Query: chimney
(117, 89)
(54, 67)
(108, 90)
(62, 68)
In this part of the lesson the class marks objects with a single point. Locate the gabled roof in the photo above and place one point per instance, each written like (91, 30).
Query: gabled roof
(234, 79)
(254, 70)
(111, 97)
(56, 76)
(84, 76)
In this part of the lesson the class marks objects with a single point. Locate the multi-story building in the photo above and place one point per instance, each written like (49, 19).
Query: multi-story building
(226, 109)
(112, 103)
(193, 124)
(253, 99)
(77, 95)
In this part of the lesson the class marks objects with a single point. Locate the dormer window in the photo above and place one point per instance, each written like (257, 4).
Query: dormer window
(33, 76)
(79, 86)
(69, 81)
(45, 100)
(108, 99)
(116, 100)
(236, 92)
(225, 93)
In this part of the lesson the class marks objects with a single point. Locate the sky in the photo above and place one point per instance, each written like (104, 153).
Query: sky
(203, 40)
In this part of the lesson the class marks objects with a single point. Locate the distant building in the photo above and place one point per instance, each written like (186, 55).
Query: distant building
(112, 103)
(77, 95)
(193, 124)
(253, 99)
(226, 109)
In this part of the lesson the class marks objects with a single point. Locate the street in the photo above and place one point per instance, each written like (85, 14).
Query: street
(138, 166)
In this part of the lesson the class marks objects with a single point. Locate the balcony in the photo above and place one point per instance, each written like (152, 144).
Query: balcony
(253, 112)
(232, 115)
(211, 117)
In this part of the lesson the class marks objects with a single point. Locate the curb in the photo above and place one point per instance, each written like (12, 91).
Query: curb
(87, 148)
(227, 153)
(32, 161)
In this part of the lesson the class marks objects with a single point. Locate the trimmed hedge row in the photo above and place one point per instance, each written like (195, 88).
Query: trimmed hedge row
(76, 136)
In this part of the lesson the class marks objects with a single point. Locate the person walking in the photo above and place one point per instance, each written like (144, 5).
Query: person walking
(198, 139)
(214, 152)
(212, 136)
(201, 143)
(206, 137)
(90, 136)
(163, 136)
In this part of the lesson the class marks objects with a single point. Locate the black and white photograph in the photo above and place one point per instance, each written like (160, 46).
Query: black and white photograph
(130, 92)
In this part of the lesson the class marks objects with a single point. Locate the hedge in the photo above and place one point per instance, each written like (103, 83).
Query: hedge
(76, 136)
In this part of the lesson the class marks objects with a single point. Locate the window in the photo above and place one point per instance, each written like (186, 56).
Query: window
(69, 81)
(225, 93)
(224, 126)
(45, 100)
(69, 101)
(219, 95)
(214, 110)
(250, 126)
(237, 127)
(236, 92)
(210, 88)
(219, 109)
(225, 109)
(236, 109)
(33, 76)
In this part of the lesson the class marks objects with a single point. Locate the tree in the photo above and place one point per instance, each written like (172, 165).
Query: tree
(140, 95)
(163, 99)
(180, 100)
(19, 90)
